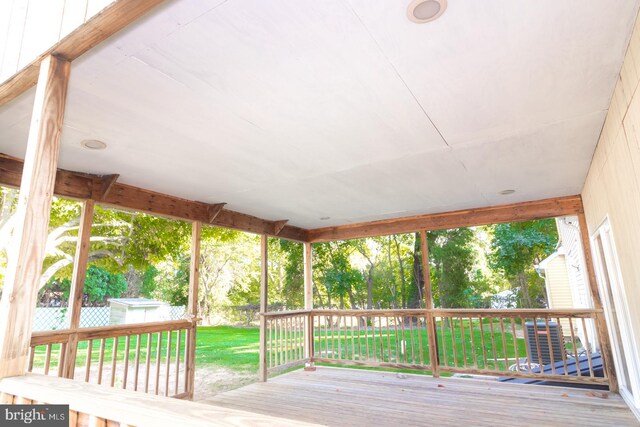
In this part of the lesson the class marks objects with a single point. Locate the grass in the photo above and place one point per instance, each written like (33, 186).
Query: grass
(237, 349)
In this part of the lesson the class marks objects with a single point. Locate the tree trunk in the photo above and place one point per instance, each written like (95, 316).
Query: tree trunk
(523, 283)
(403, 290)
(415, 298)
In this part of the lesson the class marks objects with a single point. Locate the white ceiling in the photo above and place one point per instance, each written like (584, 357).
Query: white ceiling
(300, 109)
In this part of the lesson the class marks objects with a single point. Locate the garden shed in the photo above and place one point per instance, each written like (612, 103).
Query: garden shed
(136, 310)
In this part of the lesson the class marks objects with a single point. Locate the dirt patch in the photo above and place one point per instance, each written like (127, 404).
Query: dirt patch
(212, 380)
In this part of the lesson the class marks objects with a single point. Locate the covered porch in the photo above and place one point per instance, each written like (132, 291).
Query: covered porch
(144, 374)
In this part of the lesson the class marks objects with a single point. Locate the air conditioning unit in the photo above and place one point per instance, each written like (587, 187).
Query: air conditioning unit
(539, 329)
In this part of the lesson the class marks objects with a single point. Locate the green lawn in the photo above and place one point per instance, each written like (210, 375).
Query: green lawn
(237, 348)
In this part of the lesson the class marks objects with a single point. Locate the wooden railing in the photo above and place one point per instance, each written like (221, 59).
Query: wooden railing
(538, 344)
(152, 357)
(285, 339)
(389, 338)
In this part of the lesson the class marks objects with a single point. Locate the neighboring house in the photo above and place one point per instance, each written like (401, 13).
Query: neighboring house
(565, 277)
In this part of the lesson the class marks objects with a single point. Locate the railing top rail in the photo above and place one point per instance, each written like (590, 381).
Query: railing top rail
(287, 313)
(52, 337)
(132, 329)
(465, 312)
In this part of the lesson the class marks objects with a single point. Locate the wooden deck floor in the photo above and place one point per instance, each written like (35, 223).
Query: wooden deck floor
(349, 397)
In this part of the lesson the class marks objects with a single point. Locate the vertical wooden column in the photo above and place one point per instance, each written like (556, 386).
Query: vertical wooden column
(30, 234)
(264, 286)
(192, 308)
(308, 301)
(601, 324)
(428, 303)
(77, 285)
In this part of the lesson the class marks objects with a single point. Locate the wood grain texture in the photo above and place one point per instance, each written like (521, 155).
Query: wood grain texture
(77, 284)
(308, 298)
(539, 209)
(349, 397)
(428, 303)
(76, 185)
(601, 325)
(34, 205)
(128, 407)
(103, 185)
(110, 20)
(192, 309)
(264, 303)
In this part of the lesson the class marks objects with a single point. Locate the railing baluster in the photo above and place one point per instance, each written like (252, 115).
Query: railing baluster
(453, 342)
(32, 354)
(515, 344)
(47, 359)
(127, 344)
(493, 344)
(114, 359)
(419, 327)
(550, 344)
(473, 344)
(463, 342)
(381, 336)
(148, 364)
(389, 341)
(404, 341)
(137, 362)
(562, 352)
(587, 347)
(167, 363)
(524, 327)
(413, 347)
(484, 346)
(504, 346)
(101, 359)
(62, 353)
(444, 341)
(575, 348)
(158, 361)
(537, 339)
(87, 369)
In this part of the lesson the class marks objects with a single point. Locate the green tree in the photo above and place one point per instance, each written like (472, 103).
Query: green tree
(517, 248)
(452, 260)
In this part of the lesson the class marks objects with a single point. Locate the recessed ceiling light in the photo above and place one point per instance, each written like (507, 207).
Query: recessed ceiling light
(324, 218)
(93, 144)
(507, 192)
(421, 11)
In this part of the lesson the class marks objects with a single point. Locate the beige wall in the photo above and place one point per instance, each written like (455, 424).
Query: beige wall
(612, 187)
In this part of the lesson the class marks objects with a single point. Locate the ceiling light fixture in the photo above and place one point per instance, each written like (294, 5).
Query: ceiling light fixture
(93, 144)
(507, 192)
(422, 11)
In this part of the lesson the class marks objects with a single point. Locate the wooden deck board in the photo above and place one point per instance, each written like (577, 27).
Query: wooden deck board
(349, 397)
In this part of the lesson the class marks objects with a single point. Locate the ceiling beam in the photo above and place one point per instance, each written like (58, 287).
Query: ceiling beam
(100, 27)
(84, 186)
(547, 208)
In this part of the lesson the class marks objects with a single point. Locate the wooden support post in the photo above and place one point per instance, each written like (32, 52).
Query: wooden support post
(308, 301)
(428, 303)
(264, 284)
(77, 285)
(192, 309)
(30, 234)
(601, 324)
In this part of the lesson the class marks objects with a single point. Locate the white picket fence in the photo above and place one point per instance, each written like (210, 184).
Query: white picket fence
(54, 318)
